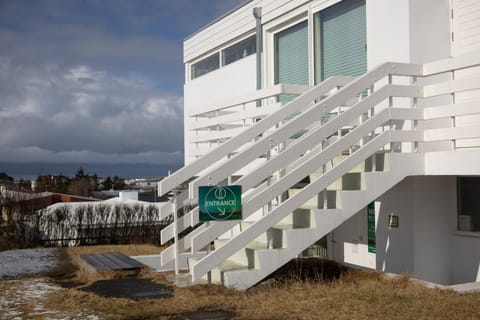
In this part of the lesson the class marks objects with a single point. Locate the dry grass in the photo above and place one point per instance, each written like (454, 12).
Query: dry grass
(70, 272)
(354, 295)
(129, 250)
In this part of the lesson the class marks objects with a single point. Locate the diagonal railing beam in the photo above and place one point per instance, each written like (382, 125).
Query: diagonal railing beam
(312, 114)
(249, 134)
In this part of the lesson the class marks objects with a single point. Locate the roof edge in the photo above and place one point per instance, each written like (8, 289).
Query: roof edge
(217, 19)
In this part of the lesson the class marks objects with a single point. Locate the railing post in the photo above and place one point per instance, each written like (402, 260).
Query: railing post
(415, 122)
(454, 141)
(257, 13)
(371, 115)
(175, 233)
(230, 182)
(209, 250)
(390, 105)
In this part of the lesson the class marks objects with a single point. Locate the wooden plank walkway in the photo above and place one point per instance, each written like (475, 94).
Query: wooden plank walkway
(116, 261)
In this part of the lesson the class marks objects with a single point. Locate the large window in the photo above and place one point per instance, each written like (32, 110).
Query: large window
(468, 197)
(340, 40)
(291, 55)
(239, 50)
(206, 65)
(230, 54)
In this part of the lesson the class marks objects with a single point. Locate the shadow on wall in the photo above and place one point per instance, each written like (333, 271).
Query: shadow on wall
(466, 259)
(426, 243)
(395, 245)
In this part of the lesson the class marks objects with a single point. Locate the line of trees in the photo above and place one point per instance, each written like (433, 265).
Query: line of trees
(15, 210)
(86, 224)
(24, 224)
(5, 177)
(81, 184)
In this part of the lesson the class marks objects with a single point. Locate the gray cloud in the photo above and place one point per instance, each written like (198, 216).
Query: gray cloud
(95, 81)
(80, 109)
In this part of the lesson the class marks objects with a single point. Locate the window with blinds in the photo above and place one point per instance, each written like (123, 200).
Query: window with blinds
(291, 56)
(340, 40)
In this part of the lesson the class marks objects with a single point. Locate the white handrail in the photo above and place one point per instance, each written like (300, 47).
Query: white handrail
(366, 81)
(312, 114)
(319, 91)
(249, 134)
(313, 188)
(468, 60)
(314, 161)
(282, 134)
(428, 69)
(276, 215)
(296, 149)
(250, 97)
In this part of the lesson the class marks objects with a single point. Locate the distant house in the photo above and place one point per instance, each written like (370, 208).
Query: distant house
(24, 203)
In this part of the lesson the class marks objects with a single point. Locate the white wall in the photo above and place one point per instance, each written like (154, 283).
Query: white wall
(237, 24)
(425, 244)
(350, 242)
(387, 31)
(225, 83)
(435, 210)
(128, 195)
(421, 246)
(407, 31)
(466, 25)
(465, 258)
(429, 30)
(395, 251)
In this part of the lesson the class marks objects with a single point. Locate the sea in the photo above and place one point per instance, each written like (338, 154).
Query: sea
(31, 170)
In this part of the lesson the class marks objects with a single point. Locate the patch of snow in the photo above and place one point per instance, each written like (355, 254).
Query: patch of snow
(27, 262)
(23, 299)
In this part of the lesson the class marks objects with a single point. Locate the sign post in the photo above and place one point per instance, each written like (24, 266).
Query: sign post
(175, 238)
(220, 203)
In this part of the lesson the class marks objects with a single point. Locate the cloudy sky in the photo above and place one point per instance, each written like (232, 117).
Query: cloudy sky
(95, 81)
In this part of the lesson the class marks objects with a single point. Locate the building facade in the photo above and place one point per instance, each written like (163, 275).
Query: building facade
(412, 202)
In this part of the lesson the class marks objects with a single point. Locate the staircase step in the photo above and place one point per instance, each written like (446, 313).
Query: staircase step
(308, 224)
(262, 238)
(329, 198)
(244, 257)
(184, 280)
(374, 163)
(240, 278)
(349, 181)
(274, 236)
(218, 274)
(299, 218)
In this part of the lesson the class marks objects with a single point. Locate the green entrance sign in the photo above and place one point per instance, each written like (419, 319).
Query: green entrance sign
(372, 243)
(220, 203)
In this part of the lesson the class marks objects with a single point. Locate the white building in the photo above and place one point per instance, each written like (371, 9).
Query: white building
(368, 116)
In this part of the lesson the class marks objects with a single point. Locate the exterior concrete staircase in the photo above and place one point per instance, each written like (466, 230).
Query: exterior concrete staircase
(349, 153)
(310, 222)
